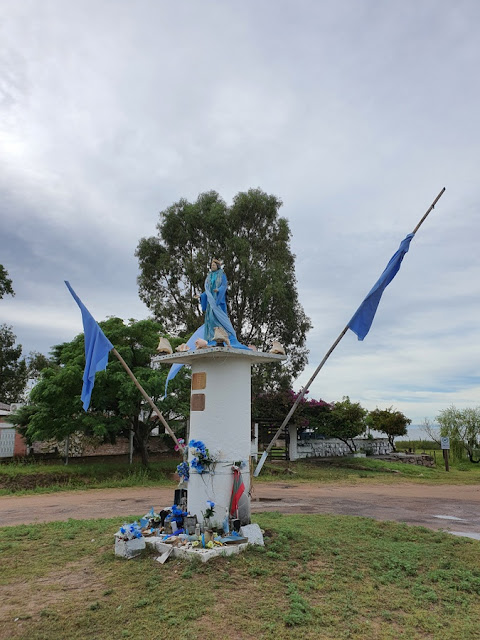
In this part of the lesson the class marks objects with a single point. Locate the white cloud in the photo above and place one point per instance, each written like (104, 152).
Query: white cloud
(355, 114)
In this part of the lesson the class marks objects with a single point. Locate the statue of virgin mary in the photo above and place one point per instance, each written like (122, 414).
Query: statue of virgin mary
(214, 304)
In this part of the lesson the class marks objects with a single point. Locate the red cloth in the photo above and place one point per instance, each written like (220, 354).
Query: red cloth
(237, 491)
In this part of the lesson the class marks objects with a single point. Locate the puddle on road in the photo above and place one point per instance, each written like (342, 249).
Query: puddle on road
(465, 534)
(449, 518)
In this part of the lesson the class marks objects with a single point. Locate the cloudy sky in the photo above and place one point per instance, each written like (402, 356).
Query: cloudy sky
(354, 113)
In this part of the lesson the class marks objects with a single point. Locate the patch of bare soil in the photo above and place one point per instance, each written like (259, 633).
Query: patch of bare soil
(21, 601)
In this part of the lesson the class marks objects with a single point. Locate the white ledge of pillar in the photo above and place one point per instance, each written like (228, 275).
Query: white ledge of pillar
(188, 357)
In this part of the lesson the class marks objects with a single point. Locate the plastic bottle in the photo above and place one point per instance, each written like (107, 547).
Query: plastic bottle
(226, 524)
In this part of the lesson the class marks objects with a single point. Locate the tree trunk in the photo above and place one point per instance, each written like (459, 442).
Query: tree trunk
(144, 452)
(141, 440)
(345, 441)
(391, 440)
(470, 456)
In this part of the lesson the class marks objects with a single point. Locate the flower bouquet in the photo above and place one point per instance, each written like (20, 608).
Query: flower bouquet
(129, 531)
(202, 461)
(180, 444)
(183, 471)
(150, 522)
(177, 516)
(208, 513)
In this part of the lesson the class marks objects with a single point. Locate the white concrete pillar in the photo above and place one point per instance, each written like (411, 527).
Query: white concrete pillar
(293, 452)
(220, 416)
(223, 424)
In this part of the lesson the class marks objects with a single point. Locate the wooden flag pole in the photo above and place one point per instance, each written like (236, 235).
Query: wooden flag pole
(148, 399)
(300, 397)
(432, 206)
(315, 373)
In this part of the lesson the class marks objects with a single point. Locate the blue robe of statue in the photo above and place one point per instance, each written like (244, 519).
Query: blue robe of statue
(214, 305)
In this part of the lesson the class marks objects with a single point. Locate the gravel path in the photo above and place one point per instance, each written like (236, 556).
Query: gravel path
(448, 507)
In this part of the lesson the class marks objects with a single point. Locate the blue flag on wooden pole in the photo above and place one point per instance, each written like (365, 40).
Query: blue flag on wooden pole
(364, 315)
(97, 348)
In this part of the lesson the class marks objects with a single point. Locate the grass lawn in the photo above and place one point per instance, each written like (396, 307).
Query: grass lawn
(41, 478)
(18, 477)
(317, 577)
(367, 470)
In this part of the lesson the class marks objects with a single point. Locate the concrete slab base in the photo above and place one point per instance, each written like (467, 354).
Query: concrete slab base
(253, 533)
(129, 548)
(189, 553)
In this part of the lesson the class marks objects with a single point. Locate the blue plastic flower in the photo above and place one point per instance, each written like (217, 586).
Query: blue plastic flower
(184, 470)
(131, 531)
(197, 445)
(197, 465)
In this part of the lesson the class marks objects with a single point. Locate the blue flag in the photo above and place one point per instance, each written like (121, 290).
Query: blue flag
(97, 347)
(363, 317)
(175, 368)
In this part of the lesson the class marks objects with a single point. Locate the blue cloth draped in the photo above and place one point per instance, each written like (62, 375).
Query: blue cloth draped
(362, 319)
(214, 304)
(175, 368)
(97, 348)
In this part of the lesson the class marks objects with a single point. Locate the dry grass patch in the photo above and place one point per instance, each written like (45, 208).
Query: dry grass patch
(79, 582)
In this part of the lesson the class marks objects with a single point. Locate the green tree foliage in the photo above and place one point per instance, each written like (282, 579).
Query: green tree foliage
(37, 363)
(389, 421)
(346, 422)
(5, 283)
(13, 368)
(254, 244)
(55, 409)
(462, 426)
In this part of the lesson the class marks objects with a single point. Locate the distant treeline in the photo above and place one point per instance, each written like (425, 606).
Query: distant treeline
(416, 445)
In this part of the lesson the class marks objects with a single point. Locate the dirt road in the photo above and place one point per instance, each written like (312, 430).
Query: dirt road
(448, 507)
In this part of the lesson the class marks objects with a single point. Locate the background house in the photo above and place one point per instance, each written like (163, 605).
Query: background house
(12, 444)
